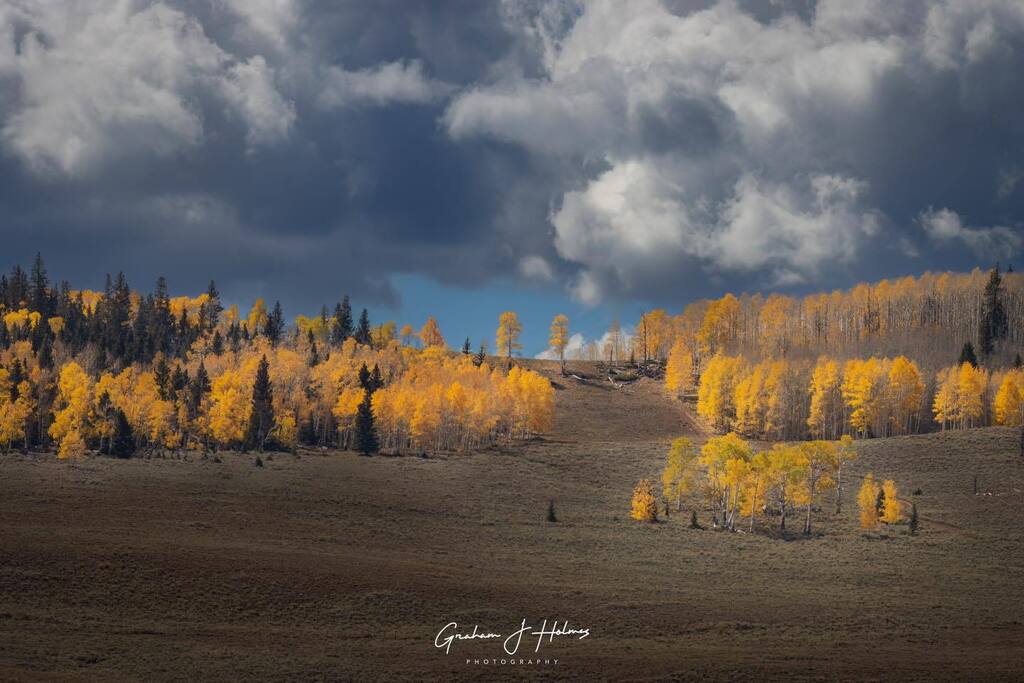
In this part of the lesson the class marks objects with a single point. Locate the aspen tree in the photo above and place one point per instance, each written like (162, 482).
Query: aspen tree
(644, 507)
(559, 338)
(866, 501)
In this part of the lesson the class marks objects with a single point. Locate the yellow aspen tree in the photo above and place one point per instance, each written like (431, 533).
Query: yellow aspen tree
(644, 507)
(508, 332)
(972, 383)
(716, 394)
(406, 333)
(558, 338)
(891, 511)
(1008, 404)
(430, 334)
(826, 407)
(944, 405)
(722, 457)
(70, 423)
(904, 393)
(257, 318)
(678, 474)
(750, 399)
(679, 371)
(867, 500)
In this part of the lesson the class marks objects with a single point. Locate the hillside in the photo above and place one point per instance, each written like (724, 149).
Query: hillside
(329, 565)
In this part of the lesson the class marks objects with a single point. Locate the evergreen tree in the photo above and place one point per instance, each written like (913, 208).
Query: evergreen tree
(179, 381)
(967, 355)
(341, 328)
(992, 325)
(1017, 362)
(45, 356)
(551, 503)
(235, 337)
(467, 348)
(376, 381)
(314, 354)
(481, 355)
(362, 334)
(366, 435)
(162, 375)
(217, 343)
(122, 442)
(197, 389)
(275, 324)
(913, 519)
(210, 312)
(364, 378)
(261, 418)
(5, 339)
(39, 298)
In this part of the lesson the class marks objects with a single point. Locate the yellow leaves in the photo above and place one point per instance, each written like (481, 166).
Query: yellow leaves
(430, 334)
(56, 324)
(678, 474)
(558, 337)
(22, 318)
(508, 332)
(444, 402)
(679, 371)
(1008, 403)
(717, 384)
(867, 500)
(891, 510)
(960, 396)
(69, 424)
(257, 318)
(826, 417)
(644, 507)
(720, 325)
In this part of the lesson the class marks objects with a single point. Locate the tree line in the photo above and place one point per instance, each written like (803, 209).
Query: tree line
(117, 371)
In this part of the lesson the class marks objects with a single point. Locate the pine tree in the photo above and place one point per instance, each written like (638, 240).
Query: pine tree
(275, 325)
(217, 343)
(210, 312)
(362, 333)
(551, 503)
(967, 355)
(992, 325)
(913, 519)
(481, 355)
(162, 374)
(40, 294)
(467, 348)
(122, 441)
(1017, 362)
(261, 417)
(341, 328)
(366, 434)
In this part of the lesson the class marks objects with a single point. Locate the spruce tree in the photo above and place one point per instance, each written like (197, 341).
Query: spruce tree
(366, 434)
(362, 334)
(122, 442)
(967, 355)
(364, 378)
(275, 324)
(341, 327)
(913, 519)
(551, 509)
(261, 417)
(992, 325)
(467, 348)
(217, 343)
(210, 312)
(481, 355)
(40, 295)
(162, 375)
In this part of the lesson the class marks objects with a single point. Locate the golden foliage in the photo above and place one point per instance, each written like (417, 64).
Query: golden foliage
(644, 507)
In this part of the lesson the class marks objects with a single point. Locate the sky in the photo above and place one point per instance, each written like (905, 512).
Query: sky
(459, 159)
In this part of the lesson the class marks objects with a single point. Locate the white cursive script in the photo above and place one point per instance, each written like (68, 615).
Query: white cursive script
(450, 633)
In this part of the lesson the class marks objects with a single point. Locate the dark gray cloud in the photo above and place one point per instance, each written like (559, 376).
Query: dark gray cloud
(636, 150)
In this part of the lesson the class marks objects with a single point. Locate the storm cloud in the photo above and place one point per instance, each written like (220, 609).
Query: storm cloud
(646, 150)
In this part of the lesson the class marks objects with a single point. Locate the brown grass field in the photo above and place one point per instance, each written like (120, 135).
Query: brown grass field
(329, 566)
